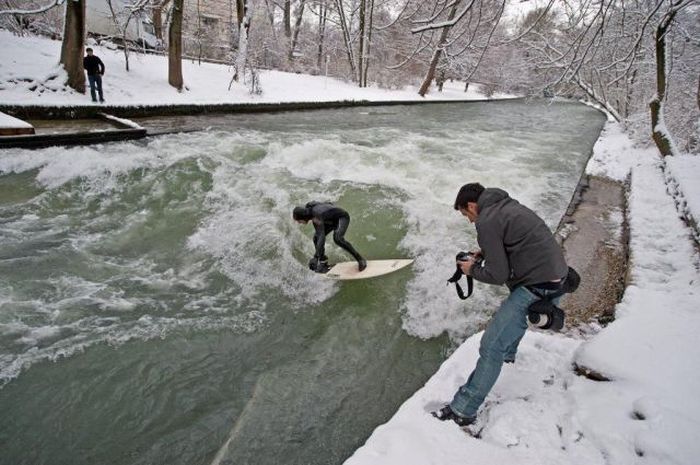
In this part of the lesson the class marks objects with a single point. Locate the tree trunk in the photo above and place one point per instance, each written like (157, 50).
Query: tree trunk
(122, 28)
(346, 37)
(297, 27)
(437, 54)
(271, 17)
(440, 79)
(243, 31)
(368, 42)
(73, 43)
(361, 46)
(322, 16)
(659, 132)
(175, 46)
(287, 19)
(158, 18)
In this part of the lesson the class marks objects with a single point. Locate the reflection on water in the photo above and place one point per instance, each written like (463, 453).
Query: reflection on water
(156, 308)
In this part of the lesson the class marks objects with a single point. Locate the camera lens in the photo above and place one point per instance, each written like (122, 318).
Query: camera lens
(540, 320)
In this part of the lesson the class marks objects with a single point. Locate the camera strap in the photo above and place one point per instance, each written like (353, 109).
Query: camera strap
(455, 279)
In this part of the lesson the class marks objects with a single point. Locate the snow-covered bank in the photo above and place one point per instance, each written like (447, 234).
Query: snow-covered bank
(30, 75)
(540, 411)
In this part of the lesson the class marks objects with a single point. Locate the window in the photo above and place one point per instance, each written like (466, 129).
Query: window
(148, 28)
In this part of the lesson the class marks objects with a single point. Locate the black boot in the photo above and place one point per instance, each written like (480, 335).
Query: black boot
(446, 413)
(319, 265)
(362, 263)
(323, 267)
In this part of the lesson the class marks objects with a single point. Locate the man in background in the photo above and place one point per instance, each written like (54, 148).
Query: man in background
(95, 69)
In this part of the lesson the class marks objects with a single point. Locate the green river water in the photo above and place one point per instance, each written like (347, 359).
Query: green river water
(155, 306)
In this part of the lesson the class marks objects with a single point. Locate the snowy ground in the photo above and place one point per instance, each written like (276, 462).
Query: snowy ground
(540, 412)
(30, 75)
(7, 121)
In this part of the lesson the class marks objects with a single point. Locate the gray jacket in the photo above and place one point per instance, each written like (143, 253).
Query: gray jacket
(518, 247)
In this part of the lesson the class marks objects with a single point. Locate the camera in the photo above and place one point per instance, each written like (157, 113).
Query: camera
(464, 256)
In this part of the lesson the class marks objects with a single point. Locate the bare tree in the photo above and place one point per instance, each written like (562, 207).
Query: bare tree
(607, 51)
(322, 19)
(464, 28)
(73, 38)
(175, 46)
(73, 44)
(157, 16)
(297, 27)
(660, 132)
(345, 26)
(437, 52)
(23, 11)
(287, 18)
(243, 13)
(366, 15)
(121, 18)
(270, 8)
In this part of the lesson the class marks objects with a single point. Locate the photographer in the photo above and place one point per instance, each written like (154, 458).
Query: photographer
(518, 250)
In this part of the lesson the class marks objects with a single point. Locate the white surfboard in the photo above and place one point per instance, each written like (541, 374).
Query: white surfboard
(349, 270)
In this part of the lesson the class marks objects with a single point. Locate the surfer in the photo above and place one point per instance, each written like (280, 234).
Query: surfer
(326, 217)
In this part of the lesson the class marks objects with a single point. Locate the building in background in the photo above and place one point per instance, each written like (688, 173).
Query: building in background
(111, 19)
(209, 28)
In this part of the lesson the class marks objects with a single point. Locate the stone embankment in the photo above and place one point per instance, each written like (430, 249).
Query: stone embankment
(594, 236)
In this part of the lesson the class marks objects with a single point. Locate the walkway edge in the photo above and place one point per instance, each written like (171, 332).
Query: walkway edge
(36, 141)
(136, 111)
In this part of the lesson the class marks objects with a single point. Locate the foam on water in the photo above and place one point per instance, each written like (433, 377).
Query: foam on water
(89, 213)
(425, 182)
(194, 232)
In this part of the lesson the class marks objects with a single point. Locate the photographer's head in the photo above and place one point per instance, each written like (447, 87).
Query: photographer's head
(466, 201)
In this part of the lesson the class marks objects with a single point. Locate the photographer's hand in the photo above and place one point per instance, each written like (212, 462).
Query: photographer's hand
(466, 266)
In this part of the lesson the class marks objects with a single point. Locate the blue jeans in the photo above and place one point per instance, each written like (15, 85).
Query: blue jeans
(95, 81)
(499, 342)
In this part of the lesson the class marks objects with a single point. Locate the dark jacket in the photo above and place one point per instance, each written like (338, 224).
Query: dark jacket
(93, 65)
(517, 245)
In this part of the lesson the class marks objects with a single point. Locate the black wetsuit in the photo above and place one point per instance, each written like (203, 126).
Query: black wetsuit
(326, 217)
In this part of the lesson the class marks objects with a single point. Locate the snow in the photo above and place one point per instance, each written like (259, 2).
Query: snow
(30, 75)
(684, 170)
(540, 411)
(123, 121)
(7, 121)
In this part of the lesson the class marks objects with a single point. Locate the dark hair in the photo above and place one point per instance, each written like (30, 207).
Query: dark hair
(88, 49)
(468, 193)
(301, 213)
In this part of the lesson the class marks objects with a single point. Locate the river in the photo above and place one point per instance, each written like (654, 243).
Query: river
(156, 308)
